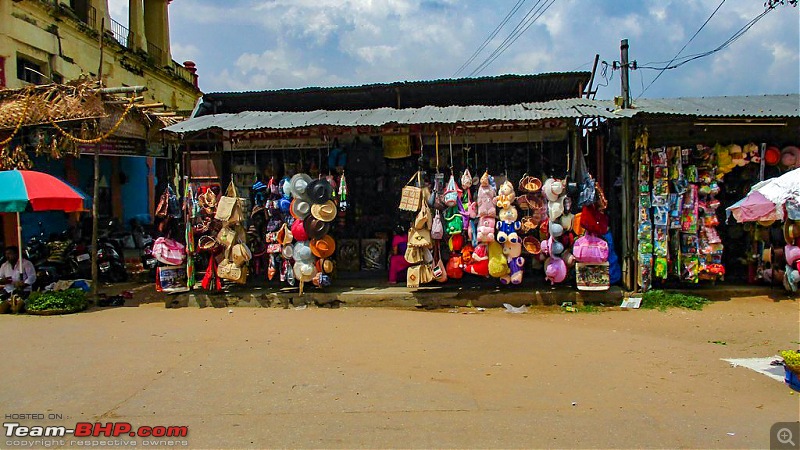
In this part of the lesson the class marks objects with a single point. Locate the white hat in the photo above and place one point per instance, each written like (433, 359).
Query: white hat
(553, 188)
(298, 185)
(555, 209)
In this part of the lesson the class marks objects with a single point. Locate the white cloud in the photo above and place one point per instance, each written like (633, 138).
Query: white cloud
(261, 44)
(184, 52)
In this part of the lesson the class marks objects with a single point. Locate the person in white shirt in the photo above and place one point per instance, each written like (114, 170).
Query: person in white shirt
(10, 277)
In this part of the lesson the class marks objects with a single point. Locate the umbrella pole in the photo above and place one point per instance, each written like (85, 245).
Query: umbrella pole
(19, 244)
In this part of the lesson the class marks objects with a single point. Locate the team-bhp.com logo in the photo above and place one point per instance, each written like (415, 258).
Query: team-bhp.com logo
(87, 429)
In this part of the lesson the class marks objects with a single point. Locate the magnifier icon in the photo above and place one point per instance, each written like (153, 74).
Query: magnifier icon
(784, 436)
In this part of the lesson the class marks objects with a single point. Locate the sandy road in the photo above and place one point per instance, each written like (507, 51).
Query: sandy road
(377, 378)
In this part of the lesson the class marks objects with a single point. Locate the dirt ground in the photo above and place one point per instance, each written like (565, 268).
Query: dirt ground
(388, 378)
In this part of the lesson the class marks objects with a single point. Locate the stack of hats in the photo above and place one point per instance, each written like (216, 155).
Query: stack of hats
(312, 209)
(555, 265)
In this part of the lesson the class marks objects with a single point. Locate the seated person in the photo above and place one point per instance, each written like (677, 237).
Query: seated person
(397, 261)
(10, 277)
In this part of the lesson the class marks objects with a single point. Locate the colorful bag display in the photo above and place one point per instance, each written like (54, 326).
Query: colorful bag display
(168, 251)
(590, 249)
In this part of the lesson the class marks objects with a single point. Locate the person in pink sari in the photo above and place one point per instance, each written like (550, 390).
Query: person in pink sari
(397, 260)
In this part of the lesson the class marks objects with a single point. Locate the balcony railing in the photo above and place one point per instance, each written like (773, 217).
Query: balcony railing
(119, 32)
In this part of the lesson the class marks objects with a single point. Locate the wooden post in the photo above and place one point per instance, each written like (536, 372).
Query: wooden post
(96, 193)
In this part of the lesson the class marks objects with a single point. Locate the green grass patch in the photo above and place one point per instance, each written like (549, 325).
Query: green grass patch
(70, 300)
(662, 300)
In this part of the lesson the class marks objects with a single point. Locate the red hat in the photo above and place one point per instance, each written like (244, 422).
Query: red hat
(772, 155)
(299, 231)
(594, 221)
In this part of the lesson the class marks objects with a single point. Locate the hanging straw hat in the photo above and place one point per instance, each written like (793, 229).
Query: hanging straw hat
(323, 248)
(325, 212)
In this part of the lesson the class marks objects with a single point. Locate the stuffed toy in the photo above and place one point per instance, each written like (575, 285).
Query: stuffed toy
(498, 266)
(505, 195)
(512, 249)
(479, 264)
(486, 192)
(485, 229)
(507, 224)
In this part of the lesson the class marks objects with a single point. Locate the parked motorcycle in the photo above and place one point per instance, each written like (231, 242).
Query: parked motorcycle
(110, 262)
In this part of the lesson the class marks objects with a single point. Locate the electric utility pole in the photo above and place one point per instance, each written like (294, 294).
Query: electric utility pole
(628, 248)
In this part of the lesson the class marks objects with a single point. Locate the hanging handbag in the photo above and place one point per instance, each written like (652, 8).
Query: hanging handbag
(226, 236)
(437, 228)
(413, 255)
(413, 275)
(168, 251)
(411, 196)
(229, 208)
(437, 267)
(590, 249)
(452, 193)
(423, 219)
(162, 210)
(419, 238)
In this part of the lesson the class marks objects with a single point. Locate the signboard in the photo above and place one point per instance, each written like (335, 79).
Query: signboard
(117, 147)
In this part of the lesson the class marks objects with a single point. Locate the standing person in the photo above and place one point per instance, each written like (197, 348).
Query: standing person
(10, 277)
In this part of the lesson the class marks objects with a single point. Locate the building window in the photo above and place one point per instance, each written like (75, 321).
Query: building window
(85, 11)
(28, 70)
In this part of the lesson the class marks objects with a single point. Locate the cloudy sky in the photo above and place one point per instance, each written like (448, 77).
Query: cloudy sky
(273, 44)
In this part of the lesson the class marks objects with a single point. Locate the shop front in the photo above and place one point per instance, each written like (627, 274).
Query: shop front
(691, 167)
(417, 199)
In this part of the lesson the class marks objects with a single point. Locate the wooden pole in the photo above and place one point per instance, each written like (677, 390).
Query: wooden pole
(96, 193)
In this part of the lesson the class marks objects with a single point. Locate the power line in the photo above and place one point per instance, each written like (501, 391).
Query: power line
(491, 36)
(683, 48)
(724, 45)
(530, 18)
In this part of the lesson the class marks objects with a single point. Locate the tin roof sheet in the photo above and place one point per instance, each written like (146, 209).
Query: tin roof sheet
(572, 108)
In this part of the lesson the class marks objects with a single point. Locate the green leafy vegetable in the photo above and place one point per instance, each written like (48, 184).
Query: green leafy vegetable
(664, 299)
(69, 300)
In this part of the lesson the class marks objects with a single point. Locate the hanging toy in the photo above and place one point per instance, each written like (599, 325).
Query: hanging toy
(342, 194)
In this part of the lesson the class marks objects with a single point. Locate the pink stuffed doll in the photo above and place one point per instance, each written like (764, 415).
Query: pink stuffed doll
(486, 198)
(486, 229)
(512, 249)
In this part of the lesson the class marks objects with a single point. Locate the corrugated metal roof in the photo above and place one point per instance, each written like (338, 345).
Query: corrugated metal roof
(784, 105)
(494, 90)
(256, 120)
(571, 108)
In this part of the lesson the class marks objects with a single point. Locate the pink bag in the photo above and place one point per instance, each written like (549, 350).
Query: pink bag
(168, 251)
(590, 249)
(437, 229)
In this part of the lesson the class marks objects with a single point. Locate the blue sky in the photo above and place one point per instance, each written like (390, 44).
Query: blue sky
(243, 45)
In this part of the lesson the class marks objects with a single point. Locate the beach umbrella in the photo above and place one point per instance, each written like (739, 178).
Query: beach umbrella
(766, 199)
(27, 190)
